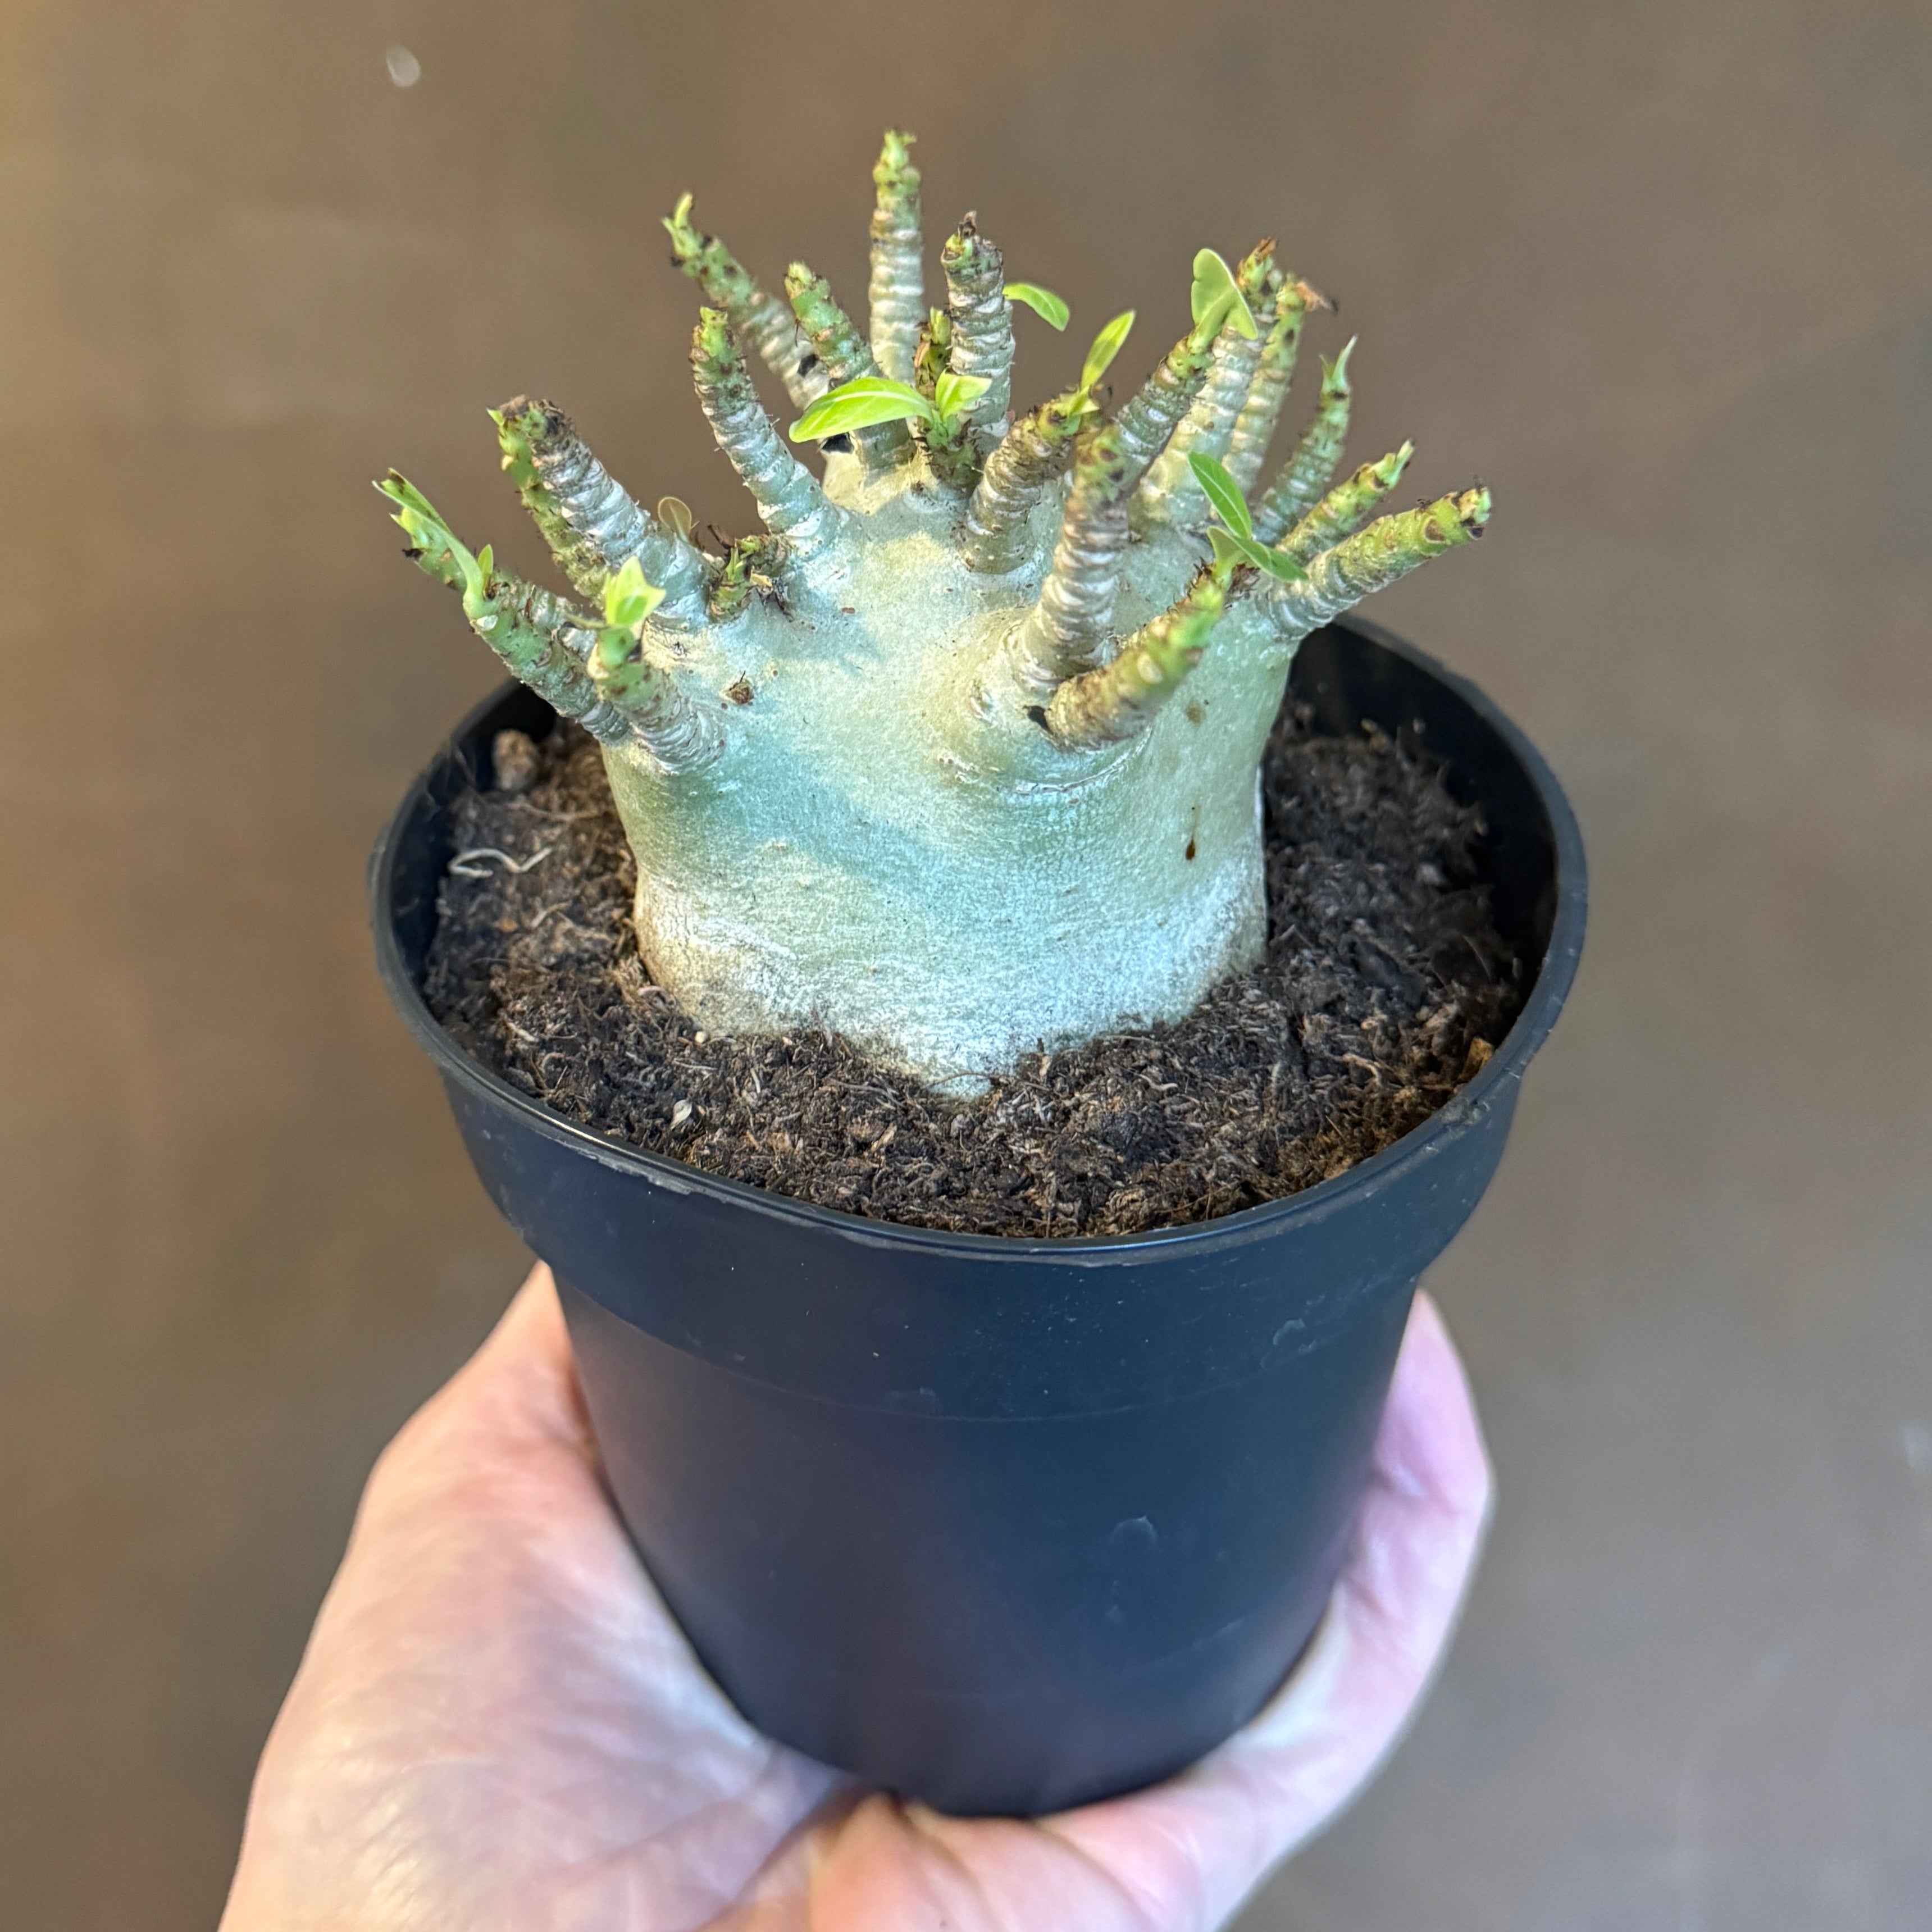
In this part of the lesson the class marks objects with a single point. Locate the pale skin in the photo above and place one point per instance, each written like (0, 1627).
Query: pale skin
(497, 1727)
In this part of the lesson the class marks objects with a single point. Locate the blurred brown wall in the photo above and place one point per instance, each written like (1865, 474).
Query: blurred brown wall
(1661, 275)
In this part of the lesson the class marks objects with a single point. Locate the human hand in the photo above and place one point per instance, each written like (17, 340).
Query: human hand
(497, 1727)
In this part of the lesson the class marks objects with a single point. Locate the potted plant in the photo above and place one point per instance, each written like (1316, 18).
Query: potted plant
(944, 796)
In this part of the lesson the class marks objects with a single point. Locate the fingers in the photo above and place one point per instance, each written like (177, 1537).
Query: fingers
(1201, 1843)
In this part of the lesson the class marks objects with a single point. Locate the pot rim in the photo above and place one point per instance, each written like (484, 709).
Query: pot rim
(1555, 975)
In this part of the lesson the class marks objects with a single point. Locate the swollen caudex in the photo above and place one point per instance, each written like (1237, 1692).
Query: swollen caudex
(995, 785)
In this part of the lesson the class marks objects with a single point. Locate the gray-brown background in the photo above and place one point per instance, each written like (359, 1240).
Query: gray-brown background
(1660, 273)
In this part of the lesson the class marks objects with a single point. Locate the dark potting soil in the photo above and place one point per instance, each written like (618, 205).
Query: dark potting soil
(1385, 986)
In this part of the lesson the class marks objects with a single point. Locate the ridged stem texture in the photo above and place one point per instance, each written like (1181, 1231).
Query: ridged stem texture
(999, 519)
(896, 292)
(1070, 625)
(789, 499)
(982, 329)
(1120, 699)
(1347, 507)
(844, 354)
(1168, 493)
(1306, 474)
(678, 734)
(591, 523)
(1373, 559)
(1268, 394)
(758, 315)
(1153, 413)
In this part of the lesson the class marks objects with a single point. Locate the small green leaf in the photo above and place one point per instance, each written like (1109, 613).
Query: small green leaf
(1279, 563)
(1106, 346)
(1227, 552)
(628, 599)
(428, 532)
(1050, 308)
(684, 239)
(951, 393)
(1216, 295)
(1230, 549)
(1223, 493)
(859, 404)
(674, 513)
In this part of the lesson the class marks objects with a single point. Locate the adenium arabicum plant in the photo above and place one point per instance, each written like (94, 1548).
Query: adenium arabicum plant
(959, 756)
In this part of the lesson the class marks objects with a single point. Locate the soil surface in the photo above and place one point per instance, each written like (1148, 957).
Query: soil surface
(1385, 986)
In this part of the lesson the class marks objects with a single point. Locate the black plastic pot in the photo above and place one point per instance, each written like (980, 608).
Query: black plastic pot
(1003, 1525)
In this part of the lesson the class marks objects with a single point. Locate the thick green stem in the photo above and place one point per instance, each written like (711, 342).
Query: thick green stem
(1169, 494)
(1260, 411)
(897, 291)
(680, 735)
(1371, 560)
(591, 523)
(1306, 473)
(544, 642)
(1347, 507)
(1153, 413)
(1068, 629)
(548, 644)
(789, 499)
(999, 519)
(843, 352)
(756, 313)
(540, 639)
(982, 329)
(950, 454)
(1120, 699)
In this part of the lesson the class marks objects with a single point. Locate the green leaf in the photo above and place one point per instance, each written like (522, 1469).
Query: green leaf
(1230, 549)
(951, 393)
(1216, 295)
(1222, 493)
(1279, 563)
(1050, 308)
(1227, 552)
(674, 513)
(426, 531)
(1106, 346)
(628, 599)
(859, 404)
